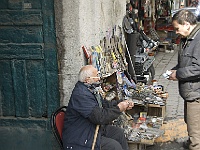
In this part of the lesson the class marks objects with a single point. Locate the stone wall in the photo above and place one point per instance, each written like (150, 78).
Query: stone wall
(82, 23)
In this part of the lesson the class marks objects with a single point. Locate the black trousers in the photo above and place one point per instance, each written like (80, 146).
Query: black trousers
(113, 139)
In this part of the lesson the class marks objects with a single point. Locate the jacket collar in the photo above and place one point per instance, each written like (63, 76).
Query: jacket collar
(194, 32)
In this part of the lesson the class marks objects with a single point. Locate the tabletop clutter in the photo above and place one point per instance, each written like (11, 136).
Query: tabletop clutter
(140, 126)
(143, 122)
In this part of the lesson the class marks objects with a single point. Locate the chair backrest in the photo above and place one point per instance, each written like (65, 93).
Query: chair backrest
(57, 123)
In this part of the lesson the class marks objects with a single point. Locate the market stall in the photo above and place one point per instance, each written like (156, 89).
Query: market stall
(141, 124)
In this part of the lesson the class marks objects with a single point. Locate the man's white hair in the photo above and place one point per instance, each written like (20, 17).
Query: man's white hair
(84, 73)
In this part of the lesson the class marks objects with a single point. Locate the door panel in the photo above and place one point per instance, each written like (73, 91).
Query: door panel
(22, 51)
(6, 88)
(28, 74)
(18, 34)
(21, 17)
(28, 59)
(19, 84)
(36, 88)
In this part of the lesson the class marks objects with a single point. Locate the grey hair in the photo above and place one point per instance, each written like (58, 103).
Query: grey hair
(185, 15)
(84, 73)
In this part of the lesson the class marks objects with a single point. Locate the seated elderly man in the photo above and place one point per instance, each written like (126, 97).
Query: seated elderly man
(87, 110)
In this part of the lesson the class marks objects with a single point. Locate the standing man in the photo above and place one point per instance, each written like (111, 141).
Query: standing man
(87, 110)
(187, 72)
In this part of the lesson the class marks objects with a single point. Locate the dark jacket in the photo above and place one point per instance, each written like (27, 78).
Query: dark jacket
(188, 67)
(82, 115)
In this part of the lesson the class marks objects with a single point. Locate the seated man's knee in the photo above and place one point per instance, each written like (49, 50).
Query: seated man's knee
(110, 144)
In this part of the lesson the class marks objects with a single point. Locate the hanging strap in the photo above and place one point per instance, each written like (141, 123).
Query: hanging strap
(98, 97)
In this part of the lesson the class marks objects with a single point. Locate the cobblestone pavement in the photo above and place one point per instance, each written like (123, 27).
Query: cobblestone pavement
(165, 61)
(167, 146)
(174, 105)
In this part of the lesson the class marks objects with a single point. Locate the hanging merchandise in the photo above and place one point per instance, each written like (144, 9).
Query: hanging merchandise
(86, 52)
(130, 21)
(117, 82)
(163, 8)
(119, 77)
(147, 8)
(129, 83)
(139, 45)
(95, 60)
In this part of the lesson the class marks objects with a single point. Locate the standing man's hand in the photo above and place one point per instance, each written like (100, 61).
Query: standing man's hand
(172, 76)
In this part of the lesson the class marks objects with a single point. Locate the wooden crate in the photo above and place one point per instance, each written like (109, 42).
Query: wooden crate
(156, 110)
(152, 110)
(137, 109)
(136, 146)
(147, 142)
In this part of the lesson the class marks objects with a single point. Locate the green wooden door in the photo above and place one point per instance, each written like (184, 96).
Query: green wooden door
(28, 71)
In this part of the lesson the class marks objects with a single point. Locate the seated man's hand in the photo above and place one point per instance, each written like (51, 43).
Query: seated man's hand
(125, 105)
(130, 106)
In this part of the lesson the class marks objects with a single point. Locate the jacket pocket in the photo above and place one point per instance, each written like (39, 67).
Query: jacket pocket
(195, 86)
(185, 89)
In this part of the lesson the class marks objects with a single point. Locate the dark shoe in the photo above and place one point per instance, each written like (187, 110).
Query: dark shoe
(186, 144)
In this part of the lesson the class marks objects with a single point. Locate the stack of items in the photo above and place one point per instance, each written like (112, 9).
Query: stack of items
(140, 128)
(148, 94)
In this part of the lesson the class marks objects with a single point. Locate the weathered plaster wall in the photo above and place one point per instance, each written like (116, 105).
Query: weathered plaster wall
(81, 23)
